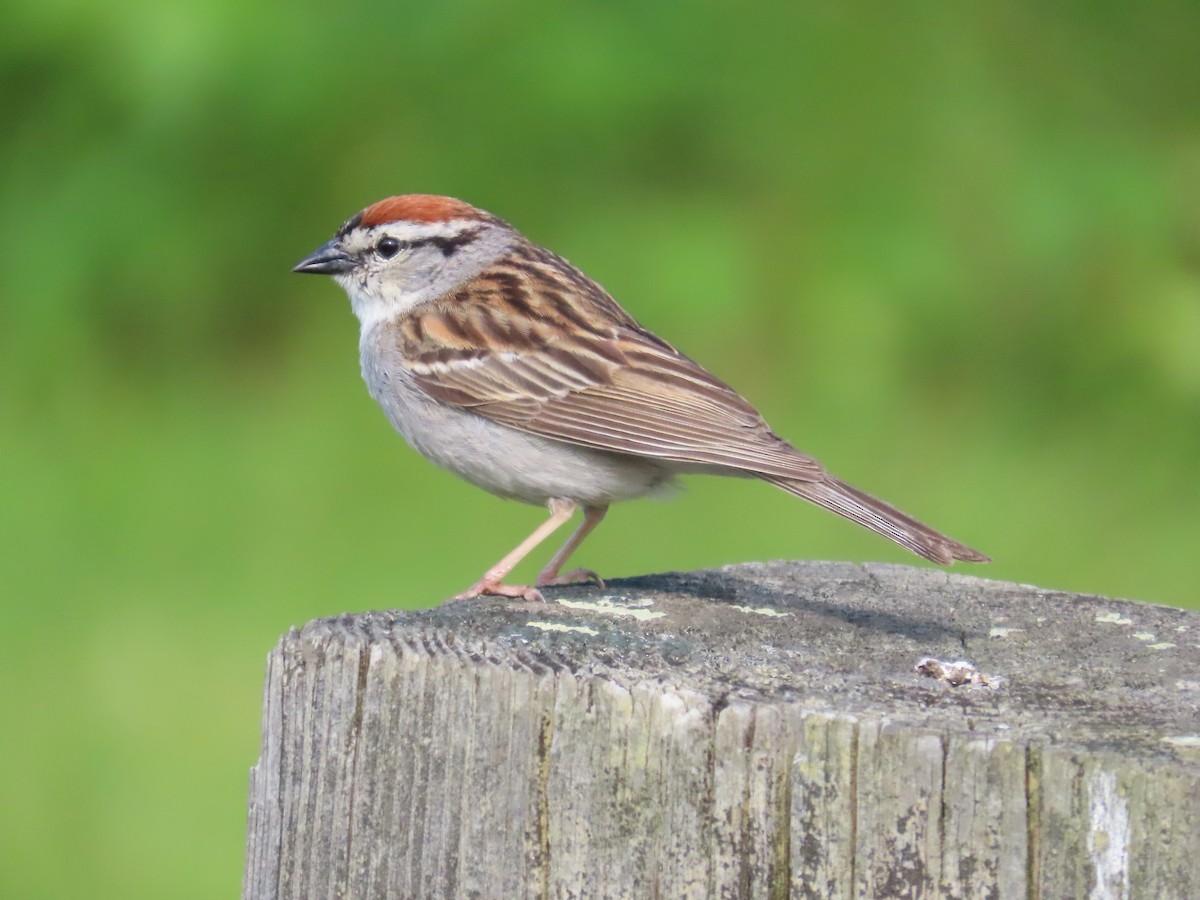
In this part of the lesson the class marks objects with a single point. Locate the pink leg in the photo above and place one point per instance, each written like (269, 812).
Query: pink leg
(592, 516)
(490, 583)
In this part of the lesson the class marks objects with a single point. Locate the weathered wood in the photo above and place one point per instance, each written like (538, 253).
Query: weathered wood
(756, 731)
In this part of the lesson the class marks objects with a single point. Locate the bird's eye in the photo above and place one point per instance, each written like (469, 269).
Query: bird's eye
(387, 247)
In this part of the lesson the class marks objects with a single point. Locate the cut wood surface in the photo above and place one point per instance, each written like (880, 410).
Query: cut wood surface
(760, 730)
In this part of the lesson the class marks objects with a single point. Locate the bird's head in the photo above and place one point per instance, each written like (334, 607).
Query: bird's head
(408, 250)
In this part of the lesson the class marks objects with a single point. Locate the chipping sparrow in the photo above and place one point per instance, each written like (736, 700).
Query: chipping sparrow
(502, 362)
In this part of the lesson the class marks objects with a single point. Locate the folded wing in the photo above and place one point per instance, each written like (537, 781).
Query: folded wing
(612, 386)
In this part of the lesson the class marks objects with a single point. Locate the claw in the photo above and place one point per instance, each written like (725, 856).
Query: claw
(493, 587)
(575, 576)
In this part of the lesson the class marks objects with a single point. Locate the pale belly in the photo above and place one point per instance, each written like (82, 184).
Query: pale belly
(502, 460)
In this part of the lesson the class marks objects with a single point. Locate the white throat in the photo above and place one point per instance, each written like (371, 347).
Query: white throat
(372, 311)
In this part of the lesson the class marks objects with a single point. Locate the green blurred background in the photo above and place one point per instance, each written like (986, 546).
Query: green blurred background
(952, 251)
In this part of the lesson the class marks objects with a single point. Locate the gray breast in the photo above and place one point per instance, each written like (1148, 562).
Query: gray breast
(499, 459)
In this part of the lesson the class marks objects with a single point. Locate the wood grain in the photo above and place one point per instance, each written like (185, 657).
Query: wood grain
(754, 731)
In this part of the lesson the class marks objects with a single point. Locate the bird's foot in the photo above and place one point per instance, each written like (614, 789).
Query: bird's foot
(493, 587)
(575, 576)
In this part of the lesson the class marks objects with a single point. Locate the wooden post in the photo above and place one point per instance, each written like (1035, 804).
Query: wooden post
(755, 731)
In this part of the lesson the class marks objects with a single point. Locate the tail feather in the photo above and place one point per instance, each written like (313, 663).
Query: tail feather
(882, 518)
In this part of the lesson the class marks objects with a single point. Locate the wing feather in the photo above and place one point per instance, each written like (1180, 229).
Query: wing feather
(525, 357)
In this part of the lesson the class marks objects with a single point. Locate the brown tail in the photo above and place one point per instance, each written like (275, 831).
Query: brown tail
(847, 500)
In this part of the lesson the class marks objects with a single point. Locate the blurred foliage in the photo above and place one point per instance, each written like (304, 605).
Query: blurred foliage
(953, 250)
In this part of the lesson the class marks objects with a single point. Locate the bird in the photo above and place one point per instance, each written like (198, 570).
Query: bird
(497, 359)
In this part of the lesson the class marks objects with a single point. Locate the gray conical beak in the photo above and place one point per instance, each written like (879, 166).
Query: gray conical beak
(327, 259)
